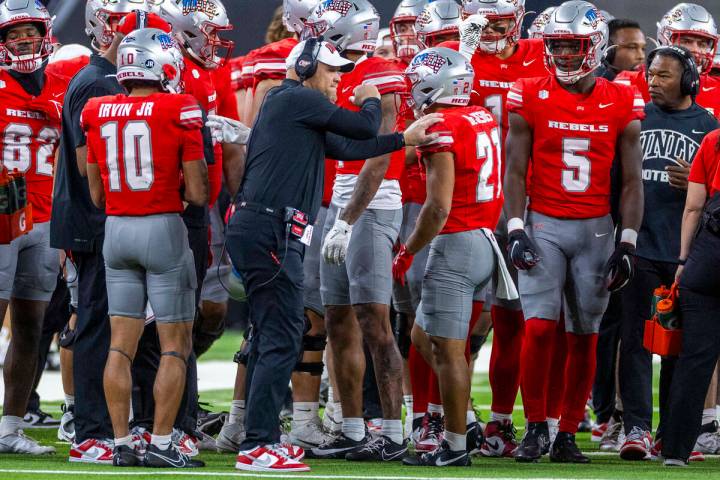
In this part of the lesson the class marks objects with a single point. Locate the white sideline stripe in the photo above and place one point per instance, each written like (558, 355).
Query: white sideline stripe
(154, 472)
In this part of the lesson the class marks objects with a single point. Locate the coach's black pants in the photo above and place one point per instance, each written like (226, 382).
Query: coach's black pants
(635, 361)
(603, 392)
(271, 266)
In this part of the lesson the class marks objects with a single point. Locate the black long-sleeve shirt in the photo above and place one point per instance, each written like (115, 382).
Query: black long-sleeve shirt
(296, 129)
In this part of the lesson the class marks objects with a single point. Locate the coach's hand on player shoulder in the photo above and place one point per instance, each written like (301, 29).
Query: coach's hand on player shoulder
(364, 92)
(227, 130)
(401, 264)
(619, 268)
(416, 134)
(522, 250)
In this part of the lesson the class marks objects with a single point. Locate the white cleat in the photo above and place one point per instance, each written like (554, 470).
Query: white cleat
(308, 434)
(230, 437)
(18, 443)
(66, 430)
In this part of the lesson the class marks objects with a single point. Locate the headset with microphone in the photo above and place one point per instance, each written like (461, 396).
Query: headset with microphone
(690, 81)
(307, 63)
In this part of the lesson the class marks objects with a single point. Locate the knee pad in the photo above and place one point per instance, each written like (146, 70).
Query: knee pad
(476, 343)
(67, 337)
(311, 343)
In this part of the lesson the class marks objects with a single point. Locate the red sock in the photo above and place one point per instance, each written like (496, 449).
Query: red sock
(556, 382)
(509, 330)
(477, 310)
(419, 372)
(580, 373)
(536, 355)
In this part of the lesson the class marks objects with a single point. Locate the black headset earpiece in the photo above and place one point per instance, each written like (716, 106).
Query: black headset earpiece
(690, 81)
(307, 63)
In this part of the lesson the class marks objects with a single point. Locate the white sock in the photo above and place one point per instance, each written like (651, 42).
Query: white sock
(69, 400)
(237, 411)
(408, 401)
(456, 441)
(9, 425)
(418, 415)
(553, 422)
(500, 417)
(393, 430)
(161, 441)
(432, 408)
(303, 412)
(354, 428)
(709, 415)
(470, 417)
(126, 441)
(337, 412)
(331, 395)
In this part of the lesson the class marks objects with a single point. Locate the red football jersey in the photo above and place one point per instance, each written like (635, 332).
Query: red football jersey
(236, 65)
(574, 142)
(389, 77)
(139, 144)
(704, 169)
(248, 68)
(270, 60)
(708, 97)
(31, 130)
(68, 68)
(328, 181)
(472, 136)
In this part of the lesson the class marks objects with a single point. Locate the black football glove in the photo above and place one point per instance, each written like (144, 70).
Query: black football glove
(522, 250)
(619, 269)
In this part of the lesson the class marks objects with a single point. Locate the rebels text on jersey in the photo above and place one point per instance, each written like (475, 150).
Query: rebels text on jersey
(30, 129)
(471, 135)
(574, 142)
(139, 144)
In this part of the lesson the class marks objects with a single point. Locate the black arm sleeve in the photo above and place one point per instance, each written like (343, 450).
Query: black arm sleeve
(343, 148)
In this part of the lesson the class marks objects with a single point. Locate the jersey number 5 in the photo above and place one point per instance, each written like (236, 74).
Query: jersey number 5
(576, 178)
(489, 150)
(137, 155)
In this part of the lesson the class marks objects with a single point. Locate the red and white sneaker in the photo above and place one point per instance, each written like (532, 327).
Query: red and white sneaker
(598, 431)
(499, 440)
(290, 450)
(431, 435)
(637, 445)
(92, 450)
(186, 443)
(656, 453)
(268, 459)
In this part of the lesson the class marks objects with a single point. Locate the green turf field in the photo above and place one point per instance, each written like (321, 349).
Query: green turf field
(603, 466)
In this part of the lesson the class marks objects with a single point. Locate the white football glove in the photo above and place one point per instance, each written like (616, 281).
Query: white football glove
(336, 243)
(470, 30)
(227, 130)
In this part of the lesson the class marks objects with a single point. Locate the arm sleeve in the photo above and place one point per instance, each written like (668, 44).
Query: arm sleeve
(343, 148)
(313, 109)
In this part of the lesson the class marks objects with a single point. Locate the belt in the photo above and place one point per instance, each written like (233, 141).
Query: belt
(262, 209)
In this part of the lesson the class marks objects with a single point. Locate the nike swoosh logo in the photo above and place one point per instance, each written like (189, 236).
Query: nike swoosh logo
(527, 64)
(708, 89)
(696, 132)
(600, 235)
(605, 105)
(494, 444)
(176, 463)
(387, 458)
(56, 95)
(441, 463)
(344, 90)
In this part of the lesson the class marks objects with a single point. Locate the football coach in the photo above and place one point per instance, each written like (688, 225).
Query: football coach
(279, 197)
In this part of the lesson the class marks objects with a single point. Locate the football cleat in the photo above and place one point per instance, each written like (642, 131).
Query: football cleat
(440, 457)
(39, 419)
(173, 457)
(587, 424)
(268, 459)
(338, 447)
(230, 437)
(614, 437)
(709, 439)
(380, 449)
(565, 450)
(431, 435)
(535, 444)
(474, 438)
(374, 426)
(19, 443)
(210, 423)
(187, 444)
(637, 445)
(499, 439)
(127, 456)
(598, 431)
(308, 434)
(93, 450)
(66, 430)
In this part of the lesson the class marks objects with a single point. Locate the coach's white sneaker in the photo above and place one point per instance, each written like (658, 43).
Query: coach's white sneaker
(66, 430)
(18, 443)
(709, 439)
(308, 434)
(230, 437)
(613, 438)
(93, 450)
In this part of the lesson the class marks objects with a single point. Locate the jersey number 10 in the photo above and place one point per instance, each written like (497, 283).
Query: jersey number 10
(137, 155)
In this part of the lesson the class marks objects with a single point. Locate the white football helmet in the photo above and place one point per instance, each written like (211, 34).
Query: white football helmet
(28, 54)
(347, 24)
(439, 75)
(537, 27)
(197, 26)
(438, 18)
(575, 40)
(150, 54)
(493, 11)
(102, 16)
(296, 13)
(686, 19)
(402, 29)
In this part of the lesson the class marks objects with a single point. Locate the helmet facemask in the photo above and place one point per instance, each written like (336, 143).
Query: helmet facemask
(25, 54)
(501, 31)
(217, 51)
(703, 58)
(404, 38)
(570, 57)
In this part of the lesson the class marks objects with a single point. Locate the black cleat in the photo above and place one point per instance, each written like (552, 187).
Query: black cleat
(440, 457)
(338, 447)
(474, 438)
(125, 456)
(535, 444)
(565, 450)
(210, 423)
(381, 449)
(170, 458)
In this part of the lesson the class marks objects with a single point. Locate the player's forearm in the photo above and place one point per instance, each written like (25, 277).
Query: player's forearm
(233, 167)
(368, 183)
(430, 222)
(631, 205)
(515, 194)
(690, 221)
